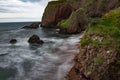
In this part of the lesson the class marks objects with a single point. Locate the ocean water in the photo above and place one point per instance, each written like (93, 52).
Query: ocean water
(13, 25)
(22, 61)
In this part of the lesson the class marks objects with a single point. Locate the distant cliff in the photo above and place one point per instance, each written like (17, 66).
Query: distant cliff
(99, 57)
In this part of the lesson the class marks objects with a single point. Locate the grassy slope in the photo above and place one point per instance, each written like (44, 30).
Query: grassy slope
(108, 28)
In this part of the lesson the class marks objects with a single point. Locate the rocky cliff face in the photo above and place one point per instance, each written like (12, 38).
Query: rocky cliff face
(57, 11)
(67, 14)
(99, 57)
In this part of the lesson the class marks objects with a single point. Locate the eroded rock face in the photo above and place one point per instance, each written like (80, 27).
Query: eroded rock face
(34, 39)
(13, 41)
(32, 26)
(96, 64)
(99, 7)
(56, 11)
(75, 23)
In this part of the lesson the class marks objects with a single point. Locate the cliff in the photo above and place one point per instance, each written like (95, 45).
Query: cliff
(72, 16)
(99, 57)
(57, 11)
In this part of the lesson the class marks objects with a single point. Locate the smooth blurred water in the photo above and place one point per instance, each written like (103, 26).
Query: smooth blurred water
(22, 61)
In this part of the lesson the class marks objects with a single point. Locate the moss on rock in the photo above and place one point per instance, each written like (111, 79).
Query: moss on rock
(75, 23)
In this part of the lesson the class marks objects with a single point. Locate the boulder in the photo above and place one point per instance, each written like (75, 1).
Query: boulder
(13, 41)
(32, 26)
(34, 39)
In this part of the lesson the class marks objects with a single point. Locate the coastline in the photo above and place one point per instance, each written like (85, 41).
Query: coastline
(100, 45)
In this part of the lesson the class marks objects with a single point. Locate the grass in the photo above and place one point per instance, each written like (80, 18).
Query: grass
(89, 68)
(73, 17)
(85, 41)
(106, 41)
(64, 23)
(118, 62)
(66, 0)
(98, 59)
(95, 43)
(108, 28)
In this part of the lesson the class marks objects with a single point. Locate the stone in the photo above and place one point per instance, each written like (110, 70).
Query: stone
(32, 26)
(34, 39)
(13, 41)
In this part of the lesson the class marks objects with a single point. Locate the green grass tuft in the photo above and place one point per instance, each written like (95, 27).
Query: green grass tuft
(95, 43)
(98, 59)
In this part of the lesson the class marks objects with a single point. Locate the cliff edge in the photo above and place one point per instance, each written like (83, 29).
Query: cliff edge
(99, 56)
(73, 16)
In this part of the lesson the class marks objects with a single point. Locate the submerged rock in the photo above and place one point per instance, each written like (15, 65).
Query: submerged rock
(34, 39)
(32, 26)
(13, 41)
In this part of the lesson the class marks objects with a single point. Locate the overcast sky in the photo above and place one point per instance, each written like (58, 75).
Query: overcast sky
(21, 10)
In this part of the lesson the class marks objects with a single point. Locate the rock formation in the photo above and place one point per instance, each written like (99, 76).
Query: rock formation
(55, 12)
(67, 14)
(13, 41)
(32, 26)
(75, 23)
(34, 39)
(99, 57)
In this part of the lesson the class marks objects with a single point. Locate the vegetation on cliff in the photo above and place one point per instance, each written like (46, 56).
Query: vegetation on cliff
(71, 15)
(74, 24)
(99, 55)
(108, 29)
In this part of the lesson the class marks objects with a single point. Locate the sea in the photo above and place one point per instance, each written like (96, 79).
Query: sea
(23, 61)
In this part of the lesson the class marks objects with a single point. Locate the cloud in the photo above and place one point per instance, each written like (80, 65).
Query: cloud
(22, 9)
(3, 10)
(30, 0)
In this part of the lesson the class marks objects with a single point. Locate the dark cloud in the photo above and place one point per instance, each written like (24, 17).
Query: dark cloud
(30, 0)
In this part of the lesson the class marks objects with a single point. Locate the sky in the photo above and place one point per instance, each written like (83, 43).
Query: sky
(22, 10)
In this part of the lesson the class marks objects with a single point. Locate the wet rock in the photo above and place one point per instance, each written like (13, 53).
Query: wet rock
(34, 39)
(13, 41)
(32, 26)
